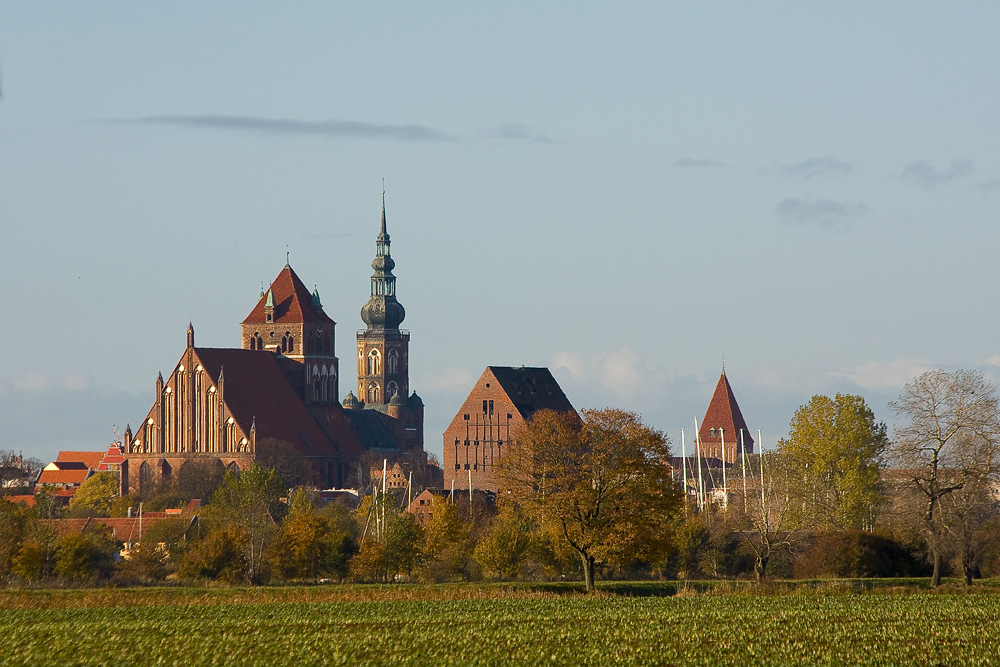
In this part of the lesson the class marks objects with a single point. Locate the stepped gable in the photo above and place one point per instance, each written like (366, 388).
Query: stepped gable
(292, 302)
(531, 389)
(257, 392)
(724, 413)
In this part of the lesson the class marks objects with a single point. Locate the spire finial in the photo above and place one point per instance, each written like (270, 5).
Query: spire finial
(383, 206)
(287, 254)
(723, 364)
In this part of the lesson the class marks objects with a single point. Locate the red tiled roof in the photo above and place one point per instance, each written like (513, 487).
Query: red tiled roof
(292, 301)
(256, 390)
(63, 476)
(122, 529)
(91, 459)
(28, 501)
(723, 412)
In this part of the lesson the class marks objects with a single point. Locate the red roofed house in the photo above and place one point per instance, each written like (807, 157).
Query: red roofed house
(502, 399)
(724, 426)
(283, 387)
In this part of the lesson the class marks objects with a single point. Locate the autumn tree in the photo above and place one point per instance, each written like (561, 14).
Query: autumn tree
(599, 482)
(948, 442)
(835, 449)
(448, 544)
(248, 505)
(310, 545)
(96, 495)
(507, 542)
(391, 540)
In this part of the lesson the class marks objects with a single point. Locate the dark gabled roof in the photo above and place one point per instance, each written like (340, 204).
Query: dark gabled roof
(292, 302)
(723, 412)
(335, 422)
(371, 429)
(531, 389)
(257, 391)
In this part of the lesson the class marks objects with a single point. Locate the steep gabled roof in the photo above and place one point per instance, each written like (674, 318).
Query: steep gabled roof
(90, 459)
(292, 302)
(257, 391)
(724, 412)
(531, 389)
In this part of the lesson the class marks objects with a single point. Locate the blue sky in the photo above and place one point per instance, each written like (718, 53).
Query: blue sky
(624, 194)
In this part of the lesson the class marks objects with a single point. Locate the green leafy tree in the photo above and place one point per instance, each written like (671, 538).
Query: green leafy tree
(248, 503)
(221, 555)
(507, 543)
(600, 483)
(835, 448)
(96, 495)
(13, 519)
(85, 556)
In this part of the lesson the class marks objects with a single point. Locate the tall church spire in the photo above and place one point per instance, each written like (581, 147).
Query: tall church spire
(383, 311)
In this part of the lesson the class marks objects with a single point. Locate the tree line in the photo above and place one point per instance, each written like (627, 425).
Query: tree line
(586, 495)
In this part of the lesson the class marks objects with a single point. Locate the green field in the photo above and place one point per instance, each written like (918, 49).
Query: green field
(493, 626)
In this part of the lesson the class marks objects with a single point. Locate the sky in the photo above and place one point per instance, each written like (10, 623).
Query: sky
(626, 193)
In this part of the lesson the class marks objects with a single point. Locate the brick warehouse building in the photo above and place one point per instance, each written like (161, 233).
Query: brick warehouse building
(280, 391)
(502, 399)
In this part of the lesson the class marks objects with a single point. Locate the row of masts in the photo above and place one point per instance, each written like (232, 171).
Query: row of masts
(699, 483)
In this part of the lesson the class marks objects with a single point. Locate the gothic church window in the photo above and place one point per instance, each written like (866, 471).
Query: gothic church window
(374, 362)
(373, 393)
(393, 362)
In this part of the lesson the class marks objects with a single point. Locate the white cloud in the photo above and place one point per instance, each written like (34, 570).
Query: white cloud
(882, 375)
(446, 378)
(620, 371)
(31, 382)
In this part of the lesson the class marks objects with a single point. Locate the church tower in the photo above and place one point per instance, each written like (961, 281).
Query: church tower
(289, 321)
(383, 349)
(723, 433)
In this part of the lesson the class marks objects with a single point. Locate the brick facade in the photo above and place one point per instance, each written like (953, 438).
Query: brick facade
(502, 399)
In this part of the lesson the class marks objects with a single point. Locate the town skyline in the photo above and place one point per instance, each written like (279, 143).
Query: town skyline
(622, 197)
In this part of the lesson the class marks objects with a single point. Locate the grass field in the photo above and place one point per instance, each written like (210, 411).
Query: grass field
(493, 625)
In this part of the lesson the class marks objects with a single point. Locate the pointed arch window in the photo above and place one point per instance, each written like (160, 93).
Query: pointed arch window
(373, 392)
(391, 390)
(374, 362)
(392, 363)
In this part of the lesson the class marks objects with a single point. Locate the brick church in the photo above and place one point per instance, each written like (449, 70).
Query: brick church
(279, 392)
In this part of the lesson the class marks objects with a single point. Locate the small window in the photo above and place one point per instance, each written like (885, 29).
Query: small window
(491, 408)
(458, 466)
(466, 417)
(711, 432)
(466, 466)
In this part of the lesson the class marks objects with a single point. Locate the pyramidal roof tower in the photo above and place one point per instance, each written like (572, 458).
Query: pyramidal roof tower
(724, 426)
